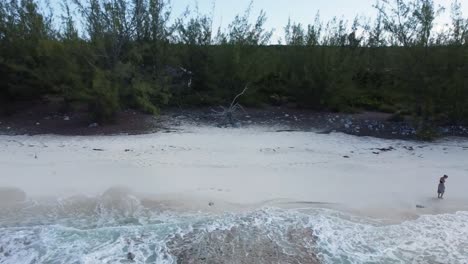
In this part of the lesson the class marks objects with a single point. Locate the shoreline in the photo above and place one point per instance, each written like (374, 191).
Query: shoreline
(208, 194)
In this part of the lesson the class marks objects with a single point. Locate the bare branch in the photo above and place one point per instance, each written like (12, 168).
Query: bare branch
(228, 113)
(239, 95)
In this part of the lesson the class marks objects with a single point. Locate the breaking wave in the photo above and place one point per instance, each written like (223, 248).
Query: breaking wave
(117, 227)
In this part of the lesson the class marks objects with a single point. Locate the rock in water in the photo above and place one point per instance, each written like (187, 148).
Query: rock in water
(210, 203)
(130, 256)
(420, 206)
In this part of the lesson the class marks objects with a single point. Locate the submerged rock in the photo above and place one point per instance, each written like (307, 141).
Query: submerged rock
(130, 256)
(245, 244)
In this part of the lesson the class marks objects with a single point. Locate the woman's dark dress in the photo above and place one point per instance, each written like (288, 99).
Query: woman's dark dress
(441, 188)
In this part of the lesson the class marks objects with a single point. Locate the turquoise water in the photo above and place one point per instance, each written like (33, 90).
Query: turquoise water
(102, 230)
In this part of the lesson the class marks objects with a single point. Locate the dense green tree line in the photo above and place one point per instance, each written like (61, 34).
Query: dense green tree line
(113, 54)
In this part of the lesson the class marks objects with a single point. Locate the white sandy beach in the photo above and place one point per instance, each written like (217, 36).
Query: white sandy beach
(245, 168)
(209, 195)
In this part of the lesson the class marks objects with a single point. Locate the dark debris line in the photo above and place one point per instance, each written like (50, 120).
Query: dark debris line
(286, 119)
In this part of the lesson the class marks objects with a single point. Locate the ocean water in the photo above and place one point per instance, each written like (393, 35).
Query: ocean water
(105, 229)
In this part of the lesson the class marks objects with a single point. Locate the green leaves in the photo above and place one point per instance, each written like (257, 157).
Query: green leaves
(115, 54)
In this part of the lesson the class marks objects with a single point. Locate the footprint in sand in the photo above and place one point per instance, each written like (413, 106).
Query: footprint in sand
(269, 150)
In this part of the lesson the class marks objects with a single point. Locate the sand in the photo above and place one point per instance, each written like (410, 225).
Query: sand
(222, 170)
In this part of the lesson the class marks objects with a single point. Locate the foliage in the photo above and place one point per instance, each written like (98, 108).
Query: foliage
(126, 53)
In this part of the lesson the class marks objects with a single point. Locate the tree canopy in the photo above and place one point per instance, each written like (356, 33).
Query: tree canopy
(129, 54)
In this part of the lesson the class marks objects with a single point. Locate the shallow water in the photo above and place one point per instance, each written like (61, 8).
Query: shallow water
(104, 229)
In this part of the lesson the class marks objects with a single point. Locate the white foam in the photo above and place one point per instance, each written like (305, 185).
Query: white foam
(337, 237)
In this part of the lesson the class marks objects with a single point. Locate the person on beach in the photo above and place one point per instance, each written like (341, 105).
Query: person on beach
(441, 189)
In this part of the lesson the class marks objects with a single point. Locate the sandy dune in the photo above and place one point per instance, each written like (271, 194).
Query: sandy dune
(244, 168)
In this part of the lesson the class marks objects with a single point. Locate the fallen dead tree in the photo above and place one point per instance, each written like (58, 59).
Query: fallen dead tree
(227, 113)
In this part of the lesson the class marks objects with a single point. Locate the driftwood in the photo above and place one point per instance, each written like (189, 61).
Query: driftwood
(227, 113)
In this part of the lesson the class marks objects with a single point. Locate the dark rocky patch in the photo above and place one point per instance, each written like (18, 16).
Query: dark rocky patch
(52, 121)
(245, 244)
(385, 149)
